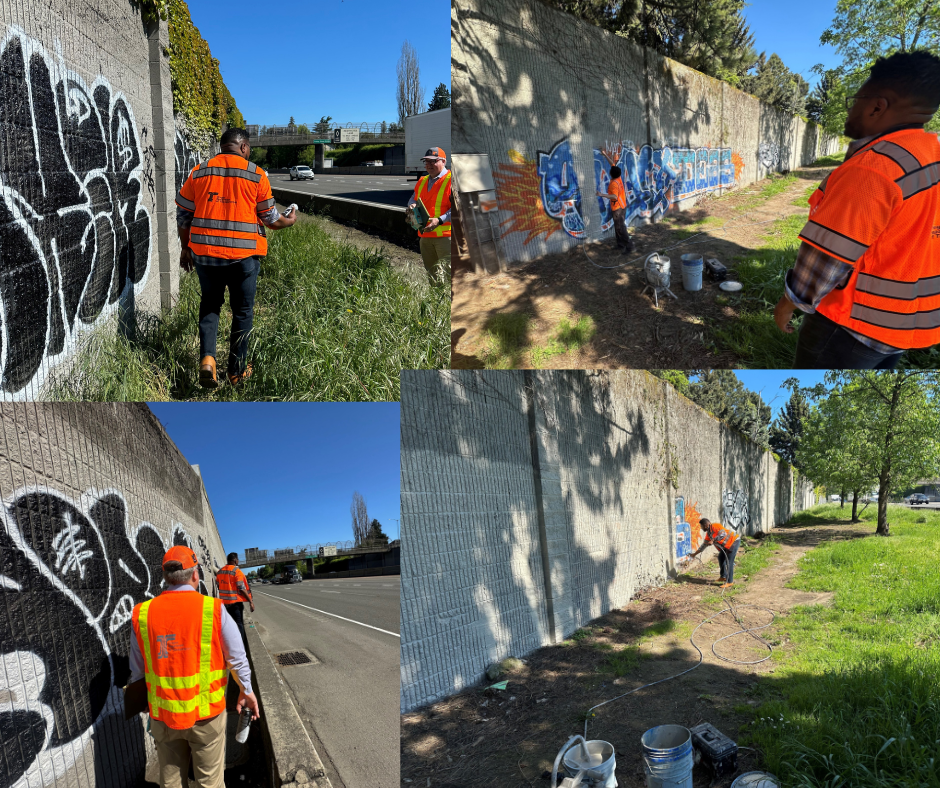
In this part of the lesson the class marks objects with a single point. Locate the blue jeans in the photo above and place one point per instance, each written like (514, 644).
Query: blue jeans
(726, 560)
(824, 344)
(241, 279)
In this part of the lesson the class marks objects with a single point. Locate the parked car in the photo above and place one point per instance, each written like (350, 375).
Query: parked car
(264, 582)
(918, 498)
(301, 173)
(835, 497)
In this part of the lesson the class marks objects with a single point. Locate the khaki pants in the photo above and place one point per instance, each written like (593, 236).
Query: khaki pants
(436, 255)
(205, 742)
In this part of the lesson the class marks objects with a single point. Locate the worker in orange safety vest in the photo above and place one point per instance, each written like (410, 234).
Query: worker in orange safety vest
(435, 194)
(868, 269)
(726, 542)
(223, 209)
(618, 207)
(184, 645)
(234, 591)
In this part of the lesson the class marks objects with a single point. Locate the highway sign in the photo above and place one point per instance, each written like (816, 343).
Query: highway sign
(345, 135)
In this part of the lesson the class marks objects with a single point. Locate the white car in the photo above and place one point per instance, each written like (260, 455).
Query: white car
(301, 173)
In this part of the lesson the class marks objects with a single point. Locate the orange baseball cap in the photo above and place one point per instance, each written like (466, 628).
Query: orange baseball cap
(434, 153)
(179, 557)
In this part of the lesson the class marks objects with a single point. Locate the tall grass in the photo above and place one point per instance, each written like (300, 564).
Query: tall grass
(332, 322)
(856, 700)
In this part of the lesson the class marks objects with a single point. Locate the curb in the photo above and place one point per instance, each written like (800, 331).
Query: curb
(293, 760)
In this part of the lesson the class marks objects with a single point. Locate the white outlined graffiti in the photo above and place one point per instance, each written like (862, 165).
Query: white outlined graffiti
(75, 240)
(69, 631)
(736, 511)
(769, 154)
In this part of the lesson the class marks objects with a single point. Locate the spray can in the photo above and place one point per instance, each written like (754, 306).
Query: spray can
(241, 735)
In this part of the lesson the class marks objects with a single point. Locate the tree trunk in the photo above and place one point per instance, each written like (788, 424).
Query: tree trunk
(854, 506)
(842, 500)
(884, 479)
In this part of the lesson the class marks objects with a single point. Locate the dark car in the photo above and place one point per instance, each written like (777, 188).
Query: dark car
(917, 498)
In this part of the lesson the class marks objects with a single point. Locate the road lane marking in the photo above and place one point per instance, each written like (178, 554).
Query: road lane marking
(341, 618)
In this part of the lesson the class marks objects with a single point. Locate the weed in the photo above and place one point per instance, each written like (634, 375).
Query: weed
(624, 662)
(603, 647)
(580, 635)
(507, 335)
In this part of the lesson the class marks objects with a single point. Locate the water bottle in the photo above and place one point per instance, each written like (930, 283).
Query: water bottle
(241, 735)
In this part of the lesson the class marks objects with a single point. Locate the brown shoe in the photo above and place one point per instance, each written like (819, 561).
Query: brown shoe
(727, 585)
(207, 376)
(236, 379)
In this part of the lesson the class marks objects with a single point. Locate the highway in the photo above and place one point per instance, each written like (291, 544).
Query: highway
(385, 189)
(349, 700)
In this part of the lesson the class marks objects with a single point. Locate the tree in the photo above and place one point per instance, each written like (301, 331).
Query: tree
(864, 30)
(323, 128)
(440, 99)
(384, 127)
(303, 128)
(712, 37)
(376, 534)
(724, 396)
(773, 83)
(360, 518)
(894, 420)
(291, 121)
(410, 95)
(787, 428)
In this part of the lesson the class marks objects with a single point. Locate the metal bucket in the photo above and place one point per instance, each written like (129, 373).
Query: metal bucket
(657, 269)
(595, 767)
(667, 757)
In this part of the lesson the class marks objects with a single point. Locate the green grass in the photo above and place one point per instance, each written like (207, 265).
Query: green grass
(775, 184)
(803, 199)
(856, 702)
(507, 340)
(833, 160)
(332, 322)
(623, 662)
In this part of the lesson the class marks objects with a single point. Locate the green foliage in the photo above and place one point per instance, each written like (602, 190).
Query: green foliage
(440, 99)
(787, 429)
(676, 377)
(322, 127)
(507, 334)
(332, 322)
(376, 534)
(567, 337)
(199, 93)
(724, 396)
(854, 703)
(773, 83)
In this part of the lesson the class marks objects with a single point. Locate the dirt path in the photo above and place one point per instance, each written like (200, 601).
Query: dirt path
(484, 737)
(631, 331)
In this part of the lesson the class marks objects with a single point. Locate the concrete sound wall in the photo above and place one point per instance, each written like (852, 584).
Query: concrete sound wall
(533, 502)
(93, 496)
(554, 102)
(90, 160)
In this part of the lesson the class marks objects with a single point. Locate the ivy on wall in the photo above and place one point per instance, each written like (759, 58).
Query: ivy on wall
(199, 94)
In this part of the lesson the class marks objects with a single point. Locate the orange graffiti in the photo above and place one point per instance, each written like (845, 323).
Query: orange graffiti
(738, 163)
(518, 187)
(692, 517)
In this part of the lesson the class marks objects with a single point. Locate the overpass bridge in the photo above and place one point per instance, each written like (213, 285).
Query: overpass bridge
(368, 134)
(253, 557)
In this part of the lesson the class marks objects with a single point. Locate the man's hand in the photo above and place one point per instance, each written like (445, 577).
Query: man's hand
(252, 606)
(432, 223)
(783, 312)
(249, 700)
(186, 259)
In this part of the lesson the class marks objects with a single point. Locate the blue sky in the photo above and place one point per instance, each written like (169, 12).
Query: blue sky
(313, 58)
(768, 383)
(792, 30)
(281, 475)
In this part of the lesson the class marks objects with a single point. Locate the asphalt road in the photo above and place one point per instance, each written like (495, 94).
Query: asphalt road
(385, 189)
(349, 700)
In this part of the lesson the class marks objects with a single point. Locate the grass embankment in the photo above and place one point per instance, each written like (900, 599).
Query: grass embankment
(332, 322)
(507, 341)
(855, 698)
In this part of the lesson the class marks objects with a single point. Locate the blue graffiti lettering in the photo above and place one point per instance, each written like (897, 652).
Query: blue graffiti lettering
(561, 194)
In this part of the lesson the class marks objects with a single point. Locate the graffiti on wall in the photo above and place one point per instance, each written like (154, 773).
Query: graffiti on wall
(768, 153)
(736, 510)
(71, 574)
(683, 530)
(74, 235)
(186, 157)
(540, 196)
(655, 179)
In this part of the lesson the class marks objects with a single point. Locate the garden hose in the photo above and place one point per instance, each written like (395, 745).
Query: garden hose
(733, 609)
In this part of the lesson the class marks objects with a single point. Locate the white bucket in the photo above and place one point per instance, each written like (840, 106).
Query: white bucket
(667, 756)
(692, 266)
(596, 769)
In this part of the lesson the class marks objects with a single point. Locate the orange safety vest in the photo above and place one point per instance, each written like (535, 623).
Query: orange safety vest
(180, 637)
(226, 194)
(620, 197)
(436, 201)
(721, 536)
(879, 212)
(228, 577)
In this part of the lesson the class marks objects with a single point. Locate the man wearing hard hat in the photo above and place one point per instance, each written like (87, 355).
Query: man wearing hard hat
(184, 645)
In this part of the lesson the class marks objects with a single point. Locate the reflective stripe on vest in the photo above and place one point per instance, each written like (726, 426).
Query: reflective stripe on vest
(225, 194)
(227, 578)
(207, 702)
(720, 535)
(893, 294)
(436, 202)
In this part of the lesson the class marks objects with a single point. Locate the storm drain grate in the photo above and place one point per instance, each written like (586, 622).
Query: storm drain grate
(293, 658)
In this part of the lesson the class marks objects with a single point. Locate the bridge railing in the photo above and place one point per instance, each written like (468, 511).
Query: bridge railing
(302, 552)
(292, 135)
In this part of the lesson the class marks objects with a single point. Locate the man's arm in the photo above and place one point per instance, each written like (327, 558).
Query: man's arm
(814, 275)
(237, 660)
(184, 221)
(268, 213)
(136, 660)
(245, 590)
